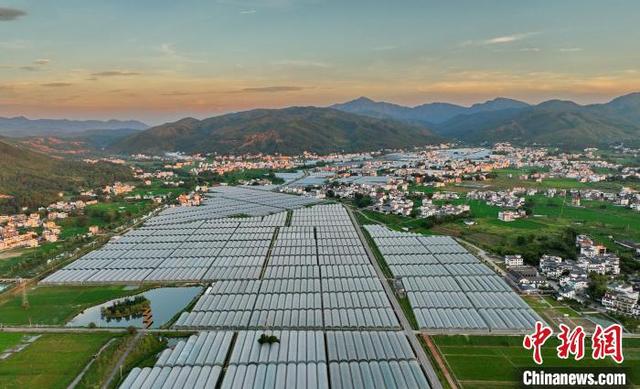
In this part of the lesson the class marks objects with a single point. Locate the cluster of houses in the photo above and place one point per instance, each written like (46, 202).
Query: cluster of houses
(11, 238)
(390, 197)
(622, 299)
(578, 166)
(428, 209)
(29, 230)
(505, 199)
(61, 209)
(526, 277)
(118, 189)
(222, 164)
(192, 199)
(627, 197)
(146, 177)
(16, 231)
(570, 277)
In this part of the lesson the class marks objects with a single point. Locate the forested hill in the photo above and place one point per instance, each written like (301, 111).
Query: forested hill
(286, 131)
(29, 178)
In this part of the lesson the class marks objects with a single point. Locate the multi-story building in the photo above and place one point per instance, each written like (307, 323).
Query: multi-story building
(513, 260)
(601, 264)
(622, 299)
(527, 278)
(552, 266)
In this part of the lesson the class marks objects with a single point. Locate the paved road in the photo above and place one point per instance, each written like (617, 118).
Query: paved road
(406, 326)
(438, 358)
(489, 261)
(75, 382)
(83, 330)
(120, 363)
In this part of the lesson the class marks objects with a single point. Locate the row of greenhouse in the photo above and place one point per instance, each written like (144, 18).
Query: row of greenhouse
(299, 359)
(451, 290)
(226, 201)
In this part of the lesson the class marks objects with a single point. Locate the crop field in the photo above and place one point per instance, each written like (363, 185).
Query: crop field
(394, 222)
(508, 178)
(157, 188)
(542, 232)
(52, 361)
(8, 340)
(55, 305)
(8, 264)
(556, 313)
(493, 361)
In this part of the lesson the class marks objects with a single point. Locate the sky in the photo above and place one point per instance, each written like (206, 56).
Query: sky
(162, 60)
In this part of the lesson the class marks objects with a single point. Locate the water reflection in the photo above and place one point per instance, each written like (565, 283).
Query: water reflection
(164, 304)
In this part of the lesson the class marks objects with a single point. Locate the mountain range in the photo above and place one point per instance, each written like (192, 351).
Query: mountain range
(21, 126)
(358, 125)
(554, 122)
(429, 114)
(288, 131)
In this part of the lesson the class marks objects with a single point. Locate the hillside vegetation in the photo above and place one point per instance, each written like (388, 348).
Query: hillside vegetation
(287, 131)
(29, 178)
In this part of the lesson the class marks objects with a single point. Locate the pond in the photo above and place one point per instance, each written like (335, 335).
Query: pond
(165, 303)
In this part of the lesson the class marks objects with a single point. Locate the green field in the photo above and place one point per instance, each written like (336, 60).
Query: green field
(549, 229)
(99, 371)
(52, 361)
(8, 340)
(157, 188)
(395, 222)
(10, 267)
(55, 305)
(509, 178)
(145, 354)
(105, 215)
(541, 303)
(493, 361)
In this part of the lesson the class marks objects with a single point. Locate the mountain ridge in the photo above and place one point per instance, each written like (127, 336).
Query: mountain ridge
(553, 122)
(19, 126)
(429, 113)
(289, 130)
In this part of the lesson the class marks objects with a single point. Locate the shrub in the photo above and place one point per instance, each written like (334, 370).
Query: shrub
(268, 339)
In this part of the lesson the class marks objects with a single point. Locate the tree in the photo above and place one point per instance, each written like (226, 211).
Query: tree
(597, 285)
(362, 201)
(528, 206)
(268, 339)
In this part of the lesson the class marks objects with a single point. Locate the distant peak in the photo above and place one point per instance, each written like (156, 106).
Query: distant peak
(187, 120)
(626, 98)
(557, 103)
(501, 101)
(363, 99)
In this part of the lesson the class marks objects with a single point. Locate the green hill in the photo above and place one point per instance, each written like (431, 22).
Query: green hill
(556, 123)
(31, 179)
(287, 131)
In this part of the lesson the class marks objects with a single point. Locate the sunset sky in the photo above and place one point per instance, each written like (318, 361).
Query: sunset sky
(161, 60)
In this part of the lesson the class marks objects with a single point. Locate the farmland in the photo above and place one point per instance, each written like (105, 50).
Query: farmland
(509, 178)
(548, 230)
(8, 340)
(52, 361)
(502, 356)
(56, 305)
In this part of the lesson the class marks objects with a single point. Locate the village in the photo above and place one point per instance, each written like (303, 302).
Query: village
(29, 230)
(441, 185)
